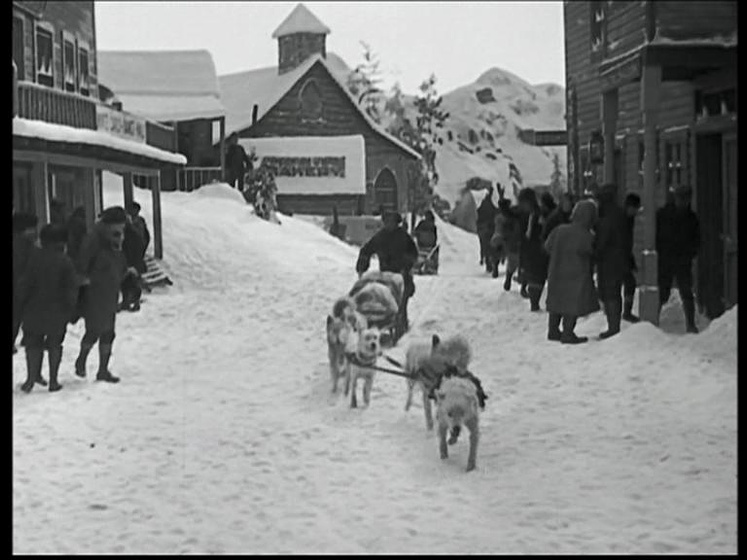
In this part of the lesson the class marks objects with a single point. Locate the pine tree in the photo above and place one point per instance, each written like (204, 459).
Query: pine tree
(364, 83)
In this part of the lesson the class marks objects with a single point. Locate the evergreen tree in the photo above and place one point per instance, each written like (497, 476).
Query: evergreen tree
(364, 83)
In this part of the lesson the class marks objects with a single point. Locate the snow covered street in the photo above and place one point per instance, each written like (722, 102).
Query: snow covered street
(223, 436)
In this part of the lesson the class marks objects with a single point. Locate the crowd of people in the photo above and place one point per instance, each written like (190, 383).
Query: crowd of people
(66, 273)
(564, 244)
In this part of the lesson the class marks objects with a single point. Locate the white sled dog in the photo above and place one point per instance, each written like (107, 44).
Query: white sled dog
(426, 361)
(368, 351)
(457, 406)
(343, 327)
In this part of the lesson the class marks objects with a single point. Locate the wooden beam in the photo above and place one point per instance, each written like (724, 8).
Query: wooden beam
(129, 196)
(609, 111)
(650, 102)
(222, 124)
(622, 73)
(157, 224)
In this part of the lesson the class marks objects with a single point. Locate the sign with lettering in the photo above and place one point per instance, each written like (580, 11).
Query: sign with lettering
(305, 166)
(121, 124)
(312, 165)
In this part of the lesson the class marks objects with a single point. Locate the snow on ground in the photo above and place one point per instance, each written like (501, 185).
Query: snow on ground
(223, 437)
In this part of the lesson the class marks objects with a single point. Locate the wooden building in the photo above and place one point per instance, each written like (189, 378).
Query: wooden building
(659, 79)
(63, 135)
(306, 96)
(178, 89)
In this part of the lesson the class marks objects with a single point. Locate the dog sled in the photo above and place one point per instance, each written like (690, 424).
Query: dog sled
(378, 297)
(427, 263)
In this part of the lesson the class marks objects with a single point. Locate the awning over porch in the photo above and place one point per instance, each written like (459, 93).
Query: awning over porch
(33, 135)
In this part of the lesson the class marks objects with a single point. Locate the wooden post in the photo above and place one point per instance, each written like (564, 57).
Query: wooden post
(222, 122)
(40, 176)
(129, 196)
(157, 223)
(177, 185)
(649, 288)
(609, 127)
(90, 196)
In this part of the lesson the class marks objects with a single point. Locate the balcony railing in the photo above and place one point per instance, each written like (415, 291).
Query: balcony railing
(55, 106)
(191, 178)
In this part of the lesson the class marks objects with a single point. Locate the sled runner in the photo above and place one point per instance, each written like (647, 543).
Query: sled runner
(427, 262)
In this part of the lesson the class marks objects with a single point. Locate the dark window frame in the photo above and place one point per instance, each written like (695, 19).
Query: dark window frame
(597, 28)
(44, 78)
(83, 71)
(313, 114)
(20, 57)
(69, 41)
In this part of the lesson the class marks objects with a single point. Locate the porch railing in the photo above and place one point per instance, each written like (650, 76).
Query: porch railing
(191, 178)
(55, 106)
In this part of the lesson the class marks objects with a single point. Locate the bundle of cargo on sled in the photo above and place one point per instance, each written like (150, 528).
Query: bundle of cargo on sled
(378, 297)
(427, 262)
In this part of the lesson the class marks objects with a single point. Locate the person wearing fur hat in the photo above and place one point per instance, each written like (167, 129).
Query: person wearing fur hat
(612, 257)
(570, 282)
(532, 257)
(677, 244)
(47, 293)
(103, 266)
(396, 252)
(24, 241)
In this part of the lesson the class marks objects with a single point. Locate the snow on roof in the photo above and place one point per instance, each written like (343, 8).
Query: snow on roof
(266, 87)
(162, 84)
(351, 148)
(300, 20)
(60, 133)
(715, 41)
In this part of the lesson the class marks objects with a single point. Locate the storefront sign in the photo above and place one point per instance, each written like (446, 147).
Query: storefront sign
(306, 166)
(120, 124)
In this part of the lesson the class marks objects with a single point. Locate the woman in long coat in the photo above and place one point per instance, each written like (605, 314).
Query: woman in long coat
(570, 285)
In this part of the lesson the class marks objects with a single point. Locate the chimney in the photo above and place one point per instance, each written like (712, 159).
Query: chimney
(300, 36)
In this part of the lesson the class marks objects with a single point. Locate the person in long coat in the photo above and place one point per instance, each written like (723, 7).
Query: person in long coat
(570, 282)
(138, 222)
(104, 266)
(485, 227)
(561, 214)
(612, 257)
(76, 232)
(48, 291)
(533, 259)
(632, 207)
(24, 240)
(133, 248)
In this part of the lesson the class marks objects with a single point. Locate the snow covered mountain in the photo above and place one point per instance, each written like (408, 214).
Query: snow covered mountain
(482, 135)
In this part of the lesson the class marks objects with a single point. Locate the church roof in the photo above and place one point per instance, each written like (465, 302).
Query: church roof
(300, 20)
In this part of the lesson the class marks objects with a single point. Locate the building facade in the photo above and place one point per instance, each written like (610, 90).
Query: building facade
(659, 78)
(63, 134)
(306, 95)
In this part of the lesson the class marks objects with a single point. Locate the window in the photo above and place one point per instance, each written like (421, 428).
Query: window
(675, 161)
(83, 76)
(68, 65)
(19, 48)
(598, 27)
(715, 103)
(311, 101)
(44, 58)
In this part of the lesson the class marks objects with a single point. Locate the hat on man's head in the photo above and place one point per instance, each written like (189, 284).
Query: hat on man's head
(392, 215)
(114, 215)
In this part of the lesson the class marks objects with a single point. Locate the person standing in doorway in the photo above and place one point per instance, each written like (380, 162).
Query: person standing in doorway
(677, 243)
(104, 267)
(632, 207)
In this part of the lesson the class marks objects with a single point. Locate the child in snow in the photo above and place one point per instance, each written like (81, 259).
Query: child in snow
(47, 296)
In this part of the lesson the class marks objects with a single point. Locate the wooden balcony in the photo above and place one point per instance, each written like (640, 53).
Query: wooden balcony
(55, 106)
(707, 22)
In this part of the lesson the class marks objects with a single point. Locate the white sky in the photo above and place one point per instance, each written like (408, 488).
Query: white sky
(457, 41)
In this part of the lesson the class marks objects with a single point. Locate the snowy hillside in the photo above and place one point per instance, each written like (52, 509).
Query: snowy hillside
(223, 437)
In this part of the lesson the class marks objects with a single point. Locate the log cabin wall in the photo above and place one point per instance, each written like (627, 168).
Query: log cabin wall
(339, 118)
(73, 18)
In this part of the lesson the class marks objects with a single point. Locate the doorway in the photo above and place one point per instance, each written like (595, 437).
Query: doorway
(385, 191)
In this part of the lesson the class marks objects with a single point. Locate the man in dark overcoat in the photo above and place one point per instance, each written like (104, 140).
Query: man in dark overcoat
(533, 259)
(48, 291)
(570, 282)
(486, 213)
(612, 257)
(24, 241)
(632, 206)
(103, 267)
(677, 244)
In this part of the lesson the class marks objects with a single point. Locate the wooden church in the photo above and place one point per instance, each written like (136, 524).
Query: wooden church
(299, 118)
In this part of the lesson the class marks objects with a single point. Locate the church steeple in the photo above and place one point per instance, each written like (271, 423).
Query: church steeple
(300, 36)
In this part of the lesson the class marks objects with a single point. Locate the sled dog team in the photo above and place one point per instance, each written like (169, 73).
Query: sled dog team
(437, 367)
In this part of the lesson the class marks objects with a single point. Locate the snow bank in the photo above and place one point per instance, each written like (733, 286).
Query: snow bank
(220, 191)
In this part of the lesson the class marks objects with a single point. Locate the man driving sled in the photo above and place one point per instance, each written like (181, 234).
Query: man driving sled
(397, 253)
